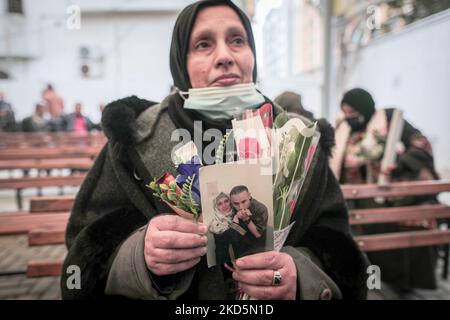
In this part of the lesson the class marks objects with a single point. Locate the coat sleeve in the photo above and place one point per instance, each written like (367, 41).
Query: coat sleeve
(312, 281)
(325, 254)
(130, 277)
(330, 241)
(105, 240)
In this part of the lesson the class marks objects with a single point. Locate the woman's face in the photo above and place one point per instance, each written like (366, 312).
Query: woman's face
(224, 205)
(219, 53)
(349, 112)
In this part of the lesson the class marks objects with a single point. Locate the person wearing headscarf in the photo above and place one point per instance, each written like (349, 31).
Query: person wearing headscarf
(128, 244)
(223, 214)
(219, 225)
(361, 137)
(292, 102)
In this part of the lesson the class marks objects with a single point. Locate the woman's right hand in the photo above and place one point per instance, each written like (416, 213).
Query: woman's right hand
(173, 244)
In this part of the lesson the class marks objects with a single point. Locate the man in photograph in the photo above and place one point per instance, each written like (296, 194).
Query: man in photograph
(252, 216)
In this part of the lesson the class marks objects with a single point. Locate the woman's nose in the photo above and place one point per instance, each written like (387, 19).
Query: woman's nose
(224, 57)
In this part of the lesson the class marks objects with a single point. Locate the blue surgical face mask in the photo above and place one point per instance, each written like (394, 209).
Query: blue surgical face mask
(223, 103)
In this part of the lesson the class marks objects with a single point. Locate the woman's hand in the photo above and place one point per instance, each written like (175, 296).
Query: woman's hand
(255, 274)
(173, 244)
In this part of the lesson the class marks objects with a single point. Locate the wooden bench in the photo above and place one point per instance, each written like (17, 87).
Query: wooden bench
(52, 203)
(43, 139)
(45, 213)
(50, 152)
(18, 184)
(76, 165)
(47, 164)
(13, 223)
(399, 240)
(42, 226)
(387, 241)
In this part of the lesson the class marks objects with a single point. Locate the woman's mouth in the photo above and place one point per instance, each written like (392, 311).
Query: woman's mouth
(226, 80)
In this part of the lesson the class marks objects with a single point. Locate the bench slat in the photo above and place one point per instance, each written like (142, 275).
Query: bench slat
(34, 182)
(396, 189)
(44, 268)
(383, 215)
(46, 236)
(51, 203)
(28, 164)
(21, 224)
(49, 153)
(398, 240)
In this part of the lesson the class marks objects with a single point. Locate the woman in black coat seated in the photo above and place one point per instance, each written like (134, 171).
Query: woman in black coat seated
(128, 244)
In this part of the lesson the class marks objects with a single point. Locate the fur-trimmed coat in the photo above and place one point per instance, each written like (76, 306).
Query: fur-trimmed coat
(105, 233)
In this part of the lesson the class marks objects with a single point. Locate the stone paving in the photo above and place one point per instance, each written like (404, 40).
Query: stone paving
(15, 254)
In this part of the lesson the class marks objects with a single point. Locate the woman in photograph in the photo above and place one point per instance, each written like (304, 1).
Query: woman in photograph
(129, 244)
(220, 224)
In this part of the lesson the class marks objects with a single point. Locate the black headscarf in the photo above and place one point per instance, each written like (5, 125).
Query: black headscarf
(181, 36)
(360, 100)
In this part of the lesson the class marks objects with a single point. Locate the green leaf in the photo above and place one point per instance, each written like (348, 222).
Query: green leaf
(153, 185)
(172, 196)
(280, 120)
(164, 197)
(164, 187)
(173, 185)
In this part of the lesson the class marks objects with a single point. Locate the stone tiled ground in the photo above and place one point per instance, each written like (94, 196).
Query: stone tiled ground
(14, 255)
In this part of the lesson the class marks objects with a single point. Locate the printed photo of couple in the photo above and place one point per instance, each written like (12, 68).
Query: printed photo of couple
(237, 210)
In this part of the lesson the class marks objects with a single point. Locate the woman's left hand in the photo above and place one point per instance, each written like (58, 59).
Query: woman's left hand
(255, 276)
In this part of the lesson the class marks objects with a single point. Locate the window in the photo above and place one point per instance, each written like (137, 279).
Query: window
(4, 75)
(15, 6)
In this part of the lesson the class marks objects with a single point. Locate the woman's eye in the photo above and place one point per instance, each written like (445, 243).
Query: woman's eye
(238, 40)
(202, 45)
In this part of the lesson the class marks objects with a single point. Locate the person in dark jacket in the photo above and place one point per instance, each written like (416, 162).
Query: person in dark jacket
(36, 122)
(7, 116)
(292, 102)
(129, 244)
(361, 139)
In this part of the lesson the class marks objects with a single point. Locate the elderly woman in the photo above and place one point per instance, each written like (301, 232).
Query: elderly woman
(129, 244)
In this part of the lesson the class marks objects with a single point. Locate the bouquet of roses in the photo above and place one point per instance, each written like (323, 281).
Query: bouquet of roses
(294, 147)
(181, 193)
(290, 146)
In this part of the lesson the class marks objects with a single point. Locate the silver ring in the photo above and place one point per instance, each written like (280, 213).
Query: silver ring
(276, 281)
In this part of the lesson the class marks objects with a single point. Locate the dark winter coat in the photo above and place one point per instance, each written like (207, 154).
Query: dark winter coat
(105, 233)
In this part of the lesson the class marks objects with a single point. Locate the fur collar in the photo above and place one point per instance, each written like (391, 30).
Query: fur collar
(119, 123)
(119, 117)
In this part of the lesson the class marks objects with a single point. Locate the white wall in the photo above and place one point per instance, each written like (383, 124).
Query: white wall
(137, 64)
(411, 70)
